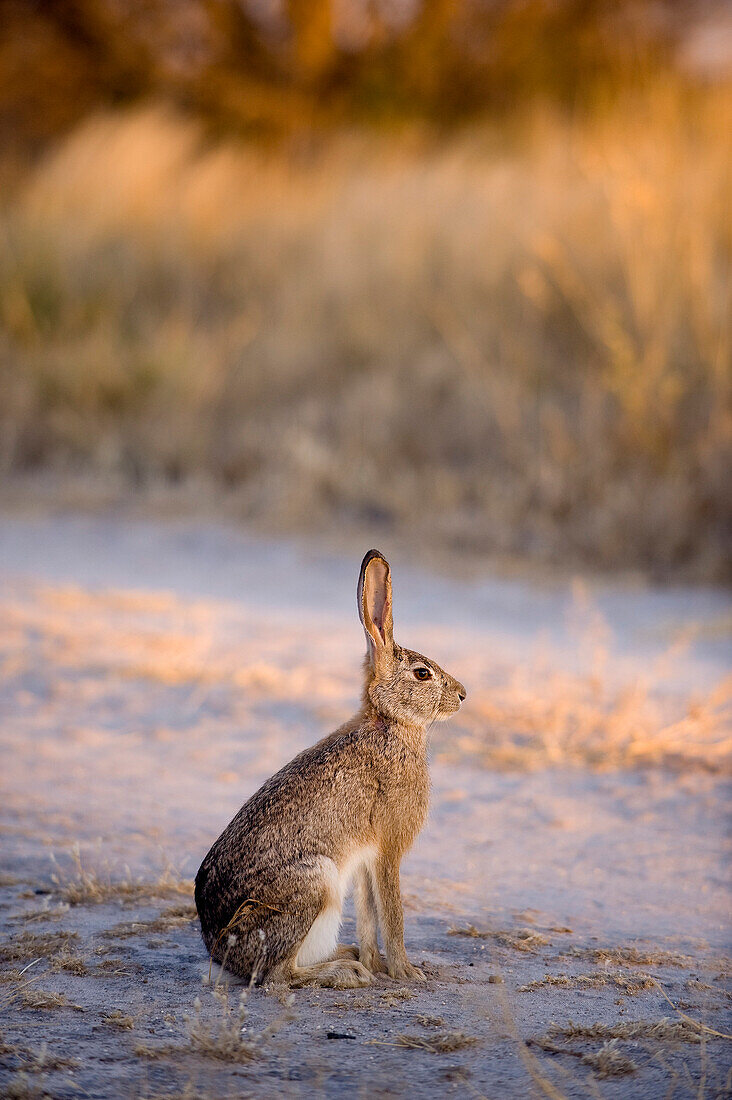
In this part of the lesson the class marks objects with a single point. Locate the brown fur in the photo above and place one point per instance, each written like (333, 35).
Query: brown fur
(354, 802)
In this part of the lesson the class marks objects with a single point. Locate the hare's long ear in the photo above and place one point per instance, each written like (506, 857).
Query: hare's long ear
(374, 601)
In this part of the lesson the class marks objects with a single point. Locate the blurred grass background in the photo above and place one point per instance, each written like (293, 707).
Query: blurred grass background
(459, 270)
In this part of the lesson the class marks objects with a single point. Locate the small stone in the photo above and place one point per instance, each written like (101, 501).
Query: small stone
(495, 979)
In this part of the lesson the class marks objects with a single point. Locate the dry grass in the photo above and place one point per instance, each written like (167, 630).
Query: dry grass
(44, 913)
(222, 1037)
(630, 986)
(529, 715)
(118, 1019)
(190, 1091)
(79, 886)
(608, 1061)
(664, 1030)
(28, 946)
(359, 1002)
(391, 998)
(525, 939)
(557, 313)
(116, 968)
(12, 975)
(537, 715)
(20, 1087)
(38, 1059)
(442, 1043)
(630, 956)
(176, 916)
(46, 1000)
(25, 1061)
(69, 961)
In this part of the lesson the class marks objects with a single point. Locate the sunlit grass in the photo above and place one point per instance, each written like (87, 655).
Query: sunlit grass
(519, 349)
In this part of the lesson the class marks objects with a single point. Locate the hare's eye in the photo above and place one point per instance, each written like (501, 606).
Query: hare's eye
(422, 673)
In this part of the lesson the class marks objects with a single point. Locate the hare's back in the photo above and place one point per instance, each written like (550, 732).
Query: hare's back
(318, 806)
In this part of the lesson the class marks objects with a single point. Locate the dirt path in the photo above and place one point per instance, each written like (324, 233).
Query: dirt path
(151, 676)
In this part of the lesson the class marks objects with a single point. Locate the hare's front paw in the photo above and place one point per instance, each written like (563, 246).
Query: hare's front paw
(372, 960)
(405, 971)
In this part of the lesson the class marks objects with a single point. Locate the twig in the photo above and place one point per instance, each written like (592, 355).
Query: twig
(235, 923)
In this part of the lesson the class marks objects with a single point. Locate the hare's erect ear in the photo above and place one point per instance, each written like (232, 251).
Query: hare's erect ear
(374, 600)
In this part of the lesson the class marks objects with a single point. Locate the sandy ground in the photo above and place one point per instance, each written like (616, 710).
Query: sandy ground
(152, 675)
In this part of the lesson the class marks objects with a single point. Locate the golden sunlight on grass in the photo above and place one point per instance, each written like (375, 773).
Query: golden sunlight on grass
(536, 713)
(513, 343)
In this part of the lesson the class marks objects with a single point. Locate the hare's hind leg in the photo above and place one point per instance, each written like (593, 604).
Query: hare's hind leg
(320, 960)
(261, 943)
(297, 941)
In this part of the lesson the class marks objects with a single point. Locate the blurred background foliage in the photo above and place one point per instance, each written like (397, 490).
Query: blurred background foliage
(267, 69)
(455, 269)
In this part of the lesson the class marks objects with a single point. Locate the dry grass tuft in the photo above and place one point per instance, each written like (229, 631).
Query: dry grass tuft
(28, 945)
(523, 940)
(116, 968)
(562, 980)
(11, 975)
(441, 1043)
(471, 931)
(176, 916)
(357, 1003)
(70, 962)
(608, 1061)
(664, 1030)
(190, 1091)
(220, 1038)
(46, 1000)
(390, 998)
(80, 886)
(629, 956)
(44, 913)
(20, 1087)
(39, 1059)
(540, 715)
(223, 1038)
(118, 1019)
(628, 985)
(430, 1021)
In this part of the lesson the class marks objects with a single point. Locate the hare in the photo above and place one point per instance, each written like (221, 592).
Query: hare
(270, 891)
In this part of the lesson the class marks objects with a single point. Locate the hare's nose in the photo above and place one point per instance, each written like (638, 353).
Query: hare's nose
(461, 692)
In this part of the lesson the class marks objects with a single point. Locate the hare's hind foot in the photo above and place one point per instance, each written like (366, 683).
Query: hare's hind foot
(338, 973)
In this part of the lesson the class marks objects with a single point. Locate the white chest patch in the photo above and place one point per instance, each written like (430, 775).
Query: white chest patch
(322, 939)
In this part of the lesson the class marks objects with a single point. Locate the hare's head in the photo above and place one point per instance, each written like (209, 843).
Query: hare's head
(402, 685)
